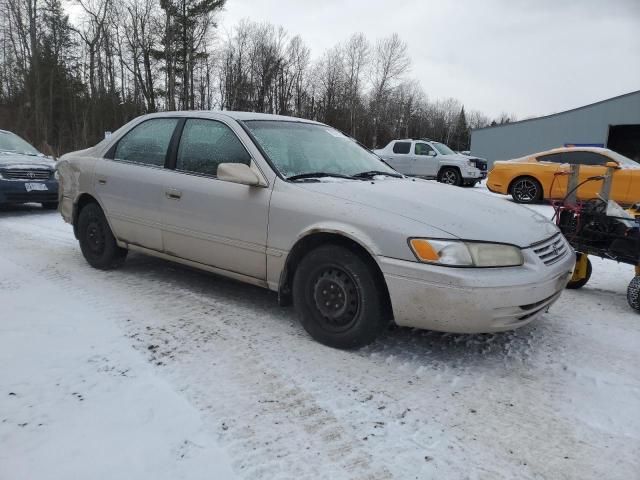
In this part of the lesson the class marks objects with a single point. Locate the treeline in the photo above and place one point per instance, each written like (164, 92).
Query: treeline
(63, 84)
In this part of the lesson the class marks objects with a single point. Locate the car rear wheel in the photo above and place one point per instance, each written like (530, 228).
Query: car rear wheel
(526, 190)
(97, 242)
(338, 298)
(450, 176)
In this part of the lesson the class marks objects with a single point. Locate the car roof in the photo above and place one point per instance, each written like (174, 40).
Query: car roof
(413, 140)
(239, 116)
(572, 149)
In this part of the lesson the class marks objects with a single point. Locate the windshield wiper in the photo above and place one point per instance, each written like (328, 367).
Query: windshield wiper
(303, 176)
(373, 173)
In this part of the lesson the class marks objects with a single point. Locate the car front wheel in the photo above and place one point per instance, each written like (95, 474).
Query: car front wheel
(450, 176)
(338, 298)
(97, 242)
(526, 190)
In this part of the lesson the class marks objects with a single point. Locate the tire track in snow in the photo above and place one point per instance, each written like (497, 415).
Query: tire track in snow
(214, 337)
(272, 400)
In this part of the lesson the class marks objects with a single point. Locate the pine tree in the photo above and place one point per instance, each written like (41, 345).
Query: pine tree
(186, 25)
(461, 138)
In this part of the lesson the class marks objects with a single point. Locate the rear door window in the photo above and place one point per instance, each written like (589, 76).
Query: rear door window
(205, 144)
(402, 147)
(147, 143)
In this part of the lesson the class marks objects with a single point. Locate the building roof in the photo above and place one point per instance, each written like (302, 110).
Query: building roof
(560, 113)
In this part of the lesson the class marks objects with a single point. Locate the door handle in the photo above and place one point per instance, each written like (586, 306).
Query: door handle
(173, 194)
(102, 181)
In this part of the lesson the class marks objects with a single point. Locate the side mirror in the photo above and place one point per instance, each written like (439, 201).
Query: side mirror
(432, 153)
(238, 173)
(612, 164)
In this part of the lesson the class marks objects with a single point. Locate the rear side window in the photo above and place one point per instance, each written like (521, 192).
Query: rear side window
(205, 144)
(401, 147)
(553, 157)
(575, 158)
(585, 158)
(147, 143)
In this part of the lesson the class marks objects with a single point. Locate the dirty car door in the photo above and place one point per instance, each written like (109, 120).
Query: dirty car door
(207, 220)
(129, 181)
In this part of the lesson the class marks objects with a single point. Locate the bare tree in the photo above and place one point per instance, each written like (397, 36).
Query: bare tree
(92, 33)
(391, 61)
(329, 76)
(141, 30)
(356, 58)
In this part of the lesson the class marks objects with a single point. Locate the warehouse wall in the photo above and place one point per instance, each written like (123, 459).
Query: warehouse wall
(589, 124)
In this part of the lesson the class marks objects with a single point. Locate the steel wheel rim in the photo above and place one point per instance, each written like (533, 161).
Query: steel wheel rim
(336, 299)
(95, 238)
(525, 190)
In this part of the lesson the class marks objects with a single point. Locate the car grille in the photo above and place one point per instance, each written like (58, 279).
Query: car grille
(480, 164)
(551, 250)
(26, 174)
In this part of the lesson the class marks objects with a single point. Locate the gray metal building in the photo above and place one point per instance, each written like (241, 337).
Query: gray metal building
(612, 123)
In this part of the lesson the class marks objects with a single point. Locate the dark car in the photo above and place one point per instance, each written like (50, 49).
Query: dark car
(26, 175)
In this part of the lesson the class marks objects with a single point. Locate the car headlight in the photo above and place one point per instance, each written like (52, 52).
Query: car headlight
(471, 163)
(459, 253)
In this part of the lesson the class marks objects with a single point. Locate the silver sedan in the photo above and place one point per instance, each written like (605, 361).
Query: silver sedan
(297, 207)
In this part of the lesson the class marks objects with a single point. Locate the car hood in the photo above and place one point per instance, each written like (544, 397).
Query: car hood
(25, 161)
(458, 157)
(459, 212)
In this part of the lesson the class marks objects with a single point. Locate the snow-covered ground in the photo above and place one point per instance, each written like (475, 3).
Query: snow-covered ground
(158, 371)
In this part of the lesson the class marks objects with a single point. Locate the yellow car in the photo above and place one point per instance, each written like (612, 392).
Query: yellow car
(543, 175)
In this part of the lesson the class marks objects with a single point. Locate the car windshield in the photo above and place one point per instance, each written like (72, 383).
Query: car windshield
(622, 160)
(299, 149)
(10, 142)
(443, 149)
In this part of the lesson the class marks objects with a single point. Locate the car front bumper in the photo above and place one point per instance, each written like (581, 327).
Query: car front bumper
(14, 191)
(474, 300)
(473, 173)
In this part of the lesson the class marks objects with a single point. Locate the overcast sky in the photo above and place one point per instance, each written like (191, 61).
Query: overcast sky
(527, 57)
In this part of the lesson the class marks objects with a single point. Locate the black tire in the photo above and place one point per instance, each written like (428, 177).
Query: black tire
(574, 285)
(526, 190)
(97, 242)
(50, 205)
(633, 293)
(450, 176)
(332, 273)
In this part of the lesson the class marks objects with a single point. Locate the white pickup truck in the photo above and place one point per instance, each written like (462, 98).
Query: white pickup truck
(429, 159)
